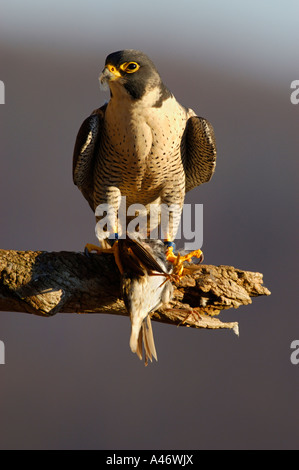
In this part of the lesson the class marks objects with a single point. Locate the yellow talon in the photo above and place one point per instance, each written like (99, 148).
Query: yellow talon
(170, 256)
(193, 254)
(178, 260)
(105, 248)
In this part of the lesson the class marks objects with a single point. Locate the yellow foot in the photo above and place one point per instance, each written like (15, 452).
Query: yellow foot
(178, 260)
(106, 248)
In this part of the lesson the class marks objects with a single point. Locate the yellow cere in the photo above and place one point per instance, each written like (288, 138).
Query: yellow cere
(113, 70)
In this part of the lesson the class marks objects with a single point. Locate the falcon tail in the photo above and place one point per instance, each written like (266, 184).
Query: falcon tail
(143, 334)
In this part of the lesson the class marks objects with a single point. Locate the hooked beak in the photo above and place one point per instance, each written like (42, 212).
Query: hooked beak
(109, 73)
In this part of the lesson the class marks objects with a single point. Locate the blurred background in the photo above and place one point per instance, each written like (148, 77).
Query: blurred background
(71, 381)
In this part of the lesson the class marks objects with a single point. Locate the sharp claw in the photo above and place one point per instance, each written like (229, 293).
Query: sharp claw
(86, 252)
(178, 260)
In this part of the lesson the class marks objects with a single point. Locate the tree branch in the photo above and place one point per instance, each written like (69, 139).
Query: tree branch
(45, 283)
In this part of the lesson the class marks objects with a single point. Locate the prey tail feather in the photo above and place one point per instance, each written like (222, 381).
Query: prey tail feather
(139, 345)
(135, 339)
(148, 340)
(143, 334)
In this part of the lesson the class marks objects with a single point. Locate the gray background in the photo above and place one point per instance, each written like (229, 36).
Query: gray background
(71, 382)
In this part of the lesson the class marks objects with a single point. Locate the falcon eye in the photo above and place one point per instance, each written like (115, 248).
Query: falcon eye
(130, 67)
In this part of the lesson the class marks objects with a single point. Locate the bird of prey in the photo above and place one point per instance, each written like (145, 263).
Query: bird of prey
(146, 285)
(142, 144)
(146, 146)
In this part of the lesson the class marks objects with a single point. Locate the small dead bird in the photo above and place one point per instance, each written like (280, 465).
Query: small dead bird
(146, 285)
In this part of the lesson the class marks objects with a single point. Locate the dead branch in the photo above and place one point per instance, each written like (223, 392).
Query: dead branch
(43, 283)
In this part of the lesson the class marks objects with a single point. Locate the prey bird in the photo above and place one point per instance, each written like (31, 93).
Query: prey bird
(146, 286)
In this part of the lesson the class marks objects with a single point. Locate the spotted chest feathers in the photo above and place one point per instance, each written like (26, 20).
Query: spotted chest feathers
(142, 145)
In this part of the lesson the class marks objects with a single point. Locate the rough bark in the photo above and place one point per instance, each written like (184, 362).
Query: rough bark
(45, 283)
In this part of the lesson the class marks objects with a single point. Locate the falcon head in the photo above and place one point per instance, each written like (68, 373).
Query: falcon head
(132, 73)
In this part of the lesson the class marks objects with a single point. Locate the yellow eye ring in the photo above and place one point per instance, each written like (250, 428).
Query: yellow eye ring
(130, 67)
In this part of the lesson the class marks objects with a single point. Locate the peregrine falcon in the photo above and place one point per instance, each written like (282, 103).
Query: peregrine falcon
(145, 146)
(142, 144)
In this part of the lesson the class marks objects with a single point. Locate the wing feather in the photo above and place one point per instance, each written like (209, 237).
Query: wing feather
(200, 152)
(86, 153)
